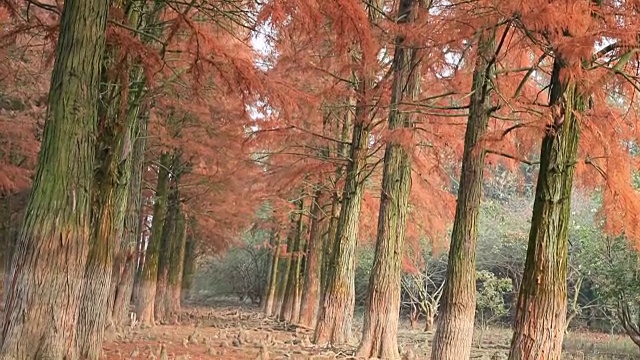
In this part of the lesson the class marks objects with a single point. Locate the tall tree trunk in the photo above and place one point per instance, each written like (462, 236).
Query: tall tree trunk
(149, 276)
(338, 301)
(313, 270)
(48, 266)
(454, 331)
(111, 189)
(287, 312)
(270, 293)
(174, 281)
(169, 237)
(125, 267)
(107, 203)
(189, 267)
(282, 286)
(336, 314)
(380, 330)
(542, 302)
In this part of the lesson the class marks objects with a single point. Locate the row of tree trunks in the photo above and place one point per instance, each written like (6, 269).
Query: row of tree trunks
(149, 274)
(48, 267)
(190, 265)
(270, 292)
(172, 237)
(380, 330)
(313, 270)
(290, 309)
(126, 261)
(457, 312)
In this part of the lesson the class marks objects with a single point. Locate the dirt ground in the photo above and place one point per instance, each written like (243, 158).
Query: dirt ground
(234, 331)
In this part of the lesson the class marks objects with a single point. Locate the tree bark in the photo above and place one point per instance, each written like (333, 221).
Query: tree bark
(169, 238)
(149, 276)
(336, 314)
(313, 270)
(338, 302)
(174, 284)
(454, 331)
(125, 267)
(48, 267)
(380, 330)
(111, 189)
(542, 301)
(282, 286)
(291, 295)
(189, 267)
(270, 293)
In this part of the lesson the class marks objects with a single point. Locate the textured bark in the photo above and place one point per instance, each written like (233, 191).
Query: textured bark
(313, 269)
(48, 266)
(454, 331)
(542, 302)
(174, 283)
(149, 275)
(111, 189)
(338, 301)
(336, 314)
(189, 267)
(292, 289)
(270, 291)
(169, 238)
(380, 330)
(125, 267)
(282, 286)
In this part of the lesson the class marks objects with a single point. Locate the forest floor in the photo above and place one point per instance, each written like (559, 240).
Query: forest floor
(234, 331)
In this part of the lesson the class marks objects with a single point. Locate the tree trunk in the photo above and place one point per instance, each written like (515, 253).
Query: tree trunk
(454, 332)
(169, 237)
(111, 189)
(542, 302)
(48, 267)
(287, 312)
(149, 276)
(270, 293)
(189, 267)
(125, 268)
(282, 287)
(336, 314)
(381, 316)
(313, 270)
(338, 301)
(176, 264)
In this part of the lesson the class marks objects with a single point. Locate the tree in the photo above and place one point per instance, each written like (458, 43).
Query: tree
(457, 311)
(146, 297)
(380, 331)
(313, 267)
(336, 314)
(48, 266)
(542, 303)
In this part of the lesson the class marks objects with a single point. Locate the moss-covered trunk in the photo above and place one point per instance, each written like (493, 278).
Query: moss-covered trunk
(284, 278)
(126, 260)
(336, 314)
(149, 274)
(169, 238)
(48, 267)
(380, 330)
(270, 291)
(176, 263)
(313, 269)
(189, 267)
(542, 302)
(458, 304)
(292, 289)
